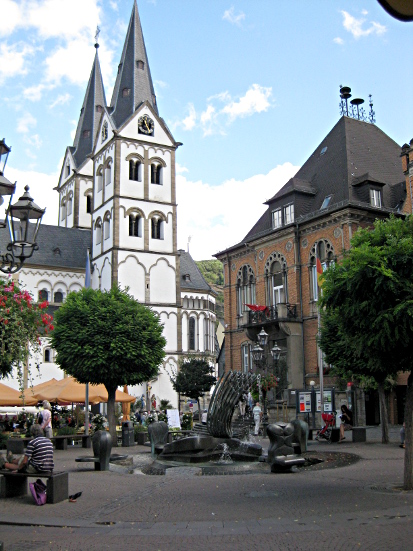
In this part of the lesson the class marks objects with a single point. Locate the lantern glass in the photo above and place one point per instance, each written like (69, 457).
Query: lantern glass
(276, 352)
(257, 353)
(262, 338)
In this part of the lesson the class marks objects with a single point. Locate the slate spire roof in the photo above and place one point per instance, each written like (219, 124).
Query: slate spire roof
(133, 84)
(90, 114)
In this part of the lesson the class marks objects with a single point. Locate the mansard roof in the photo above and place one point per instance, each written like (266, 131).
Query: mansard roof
(90, 114)
(134, 75)
(58, 247)
(196, 281)
(354, 152)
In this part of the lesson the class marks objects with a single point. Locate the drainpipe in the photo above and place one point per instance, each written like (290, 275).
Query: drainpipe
(297, 240)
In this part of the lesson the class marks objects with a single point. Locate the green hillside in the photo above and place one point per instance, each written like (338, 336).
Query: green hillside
(213, 273)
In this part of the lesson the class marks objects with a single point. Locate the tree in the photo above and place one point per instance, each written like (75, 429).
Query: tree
(22, 324)
(194, 378)
(108, 337)
(367, 313)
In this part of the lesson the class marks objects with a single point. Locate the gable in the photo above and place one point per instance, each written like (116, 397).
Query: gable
(161, 134)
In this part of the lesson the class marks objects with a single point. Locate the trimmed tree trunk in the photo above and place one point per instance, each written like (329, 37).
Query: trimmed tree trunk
(111, 415)
(408, 419)
(383, 415)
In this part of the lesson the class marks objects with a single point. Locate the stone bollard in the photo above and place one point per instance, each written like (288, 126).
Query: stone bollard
(102, 446)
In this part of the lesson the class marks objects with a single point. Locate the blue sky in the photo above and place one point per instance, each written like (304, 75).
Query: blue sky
(250, 87)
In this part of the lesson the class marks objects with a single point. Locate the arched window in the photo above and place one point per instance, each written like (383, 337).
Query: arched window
(98, 231)
(191, 333)
(135, 170)
(108, 174)
(156, 174)
(100, 178)
(48, 355)
(245, 288)
(88, 204)
(157, 227)
(276, 279)
(63, 209)
(323, 251)
(106, 227)
(58, 297)
(135, 225)
(43, 295)
(67, 170)
(69, 207)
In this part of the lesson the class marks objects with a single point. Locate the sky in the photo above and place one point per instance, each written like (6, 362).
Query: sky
(250, 88)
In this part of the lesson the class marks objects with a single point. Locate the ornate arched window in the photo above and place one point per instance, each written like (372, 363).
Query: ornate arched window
(58, 297)
(324, 251)
(245, 288)
(69, 206)
(157, 227)
(135, 170)
(43, 295)
(156, 174)
(135, 225)
(99, 176)
(88, 204)
(106, 226)
(98, 231)
(63, 209)
(276, 279)
(108, 173)
(191, 333)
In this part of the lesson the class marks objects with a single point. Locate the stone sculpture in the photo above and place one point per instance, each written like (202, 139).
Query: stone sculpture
(280, 451)
(300, 437)
(158, 436)
(102, 446)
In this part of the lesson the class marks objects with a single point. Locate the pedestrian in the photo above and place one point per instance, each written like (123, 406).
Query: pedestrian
(242, 404)
(346, 421)
(46, 422)
(257, 413)
(38, 457)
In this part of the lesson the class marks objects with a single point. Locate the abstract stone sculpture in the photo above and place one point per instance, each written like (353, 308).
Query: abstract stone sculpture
(158, 436)
(280, 451)
(102, 446)
(224, 399)
(300, 436)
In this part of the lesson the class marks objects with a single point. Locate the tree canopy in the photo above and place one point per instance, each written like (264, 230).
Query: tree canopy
(107, 337)
(194, 378)
(22, 324)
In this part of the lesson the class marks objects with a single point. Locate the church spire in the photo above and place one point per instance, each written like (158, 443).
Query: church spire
(133, 83)
(90, 113)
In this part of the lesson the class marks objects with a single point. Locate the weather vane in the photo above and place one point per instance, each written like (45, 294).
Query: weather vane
(97, 37)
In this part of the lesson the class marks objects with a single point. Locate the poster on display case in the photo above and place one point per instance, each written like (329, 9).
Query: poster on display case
(304, 402)
(328, 401)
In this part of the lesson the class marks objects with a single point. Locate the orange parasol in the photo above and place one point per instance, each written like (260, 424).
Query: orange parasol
(11, 397)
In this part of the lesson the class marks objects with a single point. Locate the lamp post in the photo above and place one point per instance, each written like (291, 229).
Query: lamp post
(22, 220)
(261, 360)
(313, 403)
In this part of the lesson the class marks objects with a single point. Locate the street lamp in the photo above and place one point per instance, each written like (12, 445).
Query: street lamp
(22, 219)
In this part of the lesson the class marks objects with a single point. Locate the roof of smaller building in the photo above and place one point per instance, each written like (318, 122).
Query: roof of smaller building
(58, 247)
(196, 281)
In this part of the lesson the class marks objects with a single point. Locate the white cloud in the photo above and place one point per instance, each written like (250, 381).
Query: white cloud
(221, 224)
(13, 58)
(14, 16)
(231, 17)
(26, 123)
(72, 132)
(60, 100)
(355, 26)
(34, 93)
(189, 122)
(254, 101)
(41, 189)
(338, 40)
(34, 140)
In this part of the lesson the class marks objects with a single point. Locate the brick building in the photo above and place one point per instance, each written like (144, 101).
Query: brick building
(353, 177)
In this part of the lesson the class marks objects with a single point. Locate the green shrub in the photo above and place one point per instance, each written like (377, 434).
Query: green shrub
(66, 431)
(3, 440)
(137, 429)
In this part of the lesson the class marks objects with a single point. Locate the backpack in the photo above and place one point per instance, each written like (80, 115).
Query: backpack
(38, 490)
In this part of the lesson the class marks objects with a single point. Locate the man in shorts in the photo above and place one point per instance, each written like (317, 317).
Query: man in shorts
(38, 457)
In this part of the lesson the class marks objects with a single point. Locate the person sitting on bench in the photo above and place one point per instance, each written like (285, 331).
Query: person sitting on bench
(346, 421)
(38, 457)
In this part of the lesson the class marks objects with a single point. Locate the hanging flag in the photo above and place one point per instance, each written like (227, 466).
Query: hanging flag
(319, 272)
(87, 274)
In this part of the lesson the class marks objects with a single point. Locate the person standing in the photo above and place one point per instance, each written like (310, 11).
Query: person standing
(346, 421)
(257, 413)
(242, 404)
(46, 424)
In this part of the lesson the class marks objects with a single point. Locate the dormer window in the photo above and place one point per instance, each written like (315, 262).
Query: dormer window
(126, 92)
(289, 214)
(140, 64)
(326, 202)
(99, 109)
(375, 198)
(86, 133)
(276, 219)
(187, 277)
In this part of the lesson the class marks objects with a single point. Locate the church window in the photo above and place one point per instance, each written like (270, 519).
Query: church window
(106, 227)
(157, 226)
(98, 229)
(99, 109)
(63, 210)
(191, 333)
(58, 297)
(156, 174)
(289, 214)
(86, 133)
(88, 204)
(67, 169)
(43, 295)
(126, 92)
(100, 179)
(323, 250)
(245, 288)
(69, 207)
(135, 225)
(135, 170)
(276, 219)
(140, 64)
(108, 174)
(104, 130)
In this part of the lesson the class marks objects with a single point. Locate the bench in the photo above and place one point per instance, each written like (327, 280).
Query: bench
(14, 484)
(99, 465)
(17, 445)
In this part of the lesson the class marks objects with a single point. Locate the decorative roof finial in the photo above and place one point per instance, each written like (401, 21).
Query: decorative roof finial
(355, 111)
(97, 37)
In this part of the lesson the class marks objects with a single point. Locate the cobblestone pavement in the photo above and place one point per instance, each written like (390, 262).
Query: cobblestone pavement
(359, 506)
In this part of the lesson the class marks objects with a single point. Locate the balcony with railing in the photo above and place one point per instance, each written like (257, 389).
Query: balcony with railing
(270, 314)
